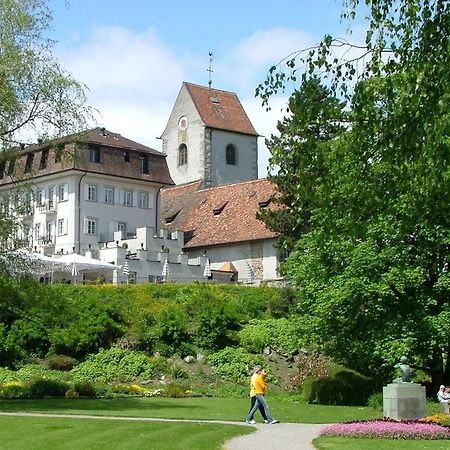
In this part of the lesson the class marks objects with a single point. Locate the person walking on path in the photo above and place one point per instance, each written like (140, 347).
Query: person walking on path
(260, 391)
(256, 372)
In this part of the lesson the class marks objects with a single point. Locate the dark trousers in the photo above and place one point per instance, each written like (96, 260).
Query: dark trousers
(261, 408)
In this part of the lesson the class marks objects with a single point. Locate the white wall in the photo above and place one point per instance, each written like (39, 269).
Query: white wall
(247, 158)
(193, 138)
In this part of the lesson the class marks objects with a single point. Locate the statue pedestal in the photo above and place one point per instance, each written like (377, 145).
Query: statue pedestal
(404, 401)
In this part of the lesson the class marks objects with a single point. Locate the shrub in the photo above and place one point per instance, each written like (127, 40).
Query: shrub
(40, 388)
(72, 393)
(376, 401)
(115, 364)
(234, 364)
(60, 362)
(279, 334)
(341, 387)
(309, 367)
(85, 389)
(174, 390)
(178, 373)
(171, 329)
(214, 317)
(14, 389)
(34, 371)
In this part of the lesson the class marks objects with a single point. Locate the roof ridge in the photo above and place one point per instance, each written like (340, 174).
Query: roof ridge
(206, 88)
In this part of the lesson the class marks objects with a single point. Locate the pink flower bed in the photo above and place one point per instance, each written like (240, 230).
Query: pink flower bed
(389, 429)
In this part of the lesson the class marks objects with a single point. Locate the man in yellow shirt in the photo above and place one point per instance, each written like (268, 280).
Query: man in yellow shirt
(256, 372)
(260, 391)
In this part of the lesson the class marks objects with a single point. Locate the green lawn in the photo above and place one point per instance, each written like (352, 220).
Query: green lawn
(234, 409)
(38, 433)
(341, 443)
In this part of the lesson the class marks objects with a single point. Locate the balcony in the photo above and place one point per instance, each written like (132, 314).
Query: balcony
(47, 208)
(47, 241)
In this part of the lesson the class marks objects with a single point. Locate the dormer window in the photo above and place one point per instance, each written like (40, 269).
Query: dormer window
(44, 159)
(231, 155)
(219, 208)
(29, 163)
(171, 217)
(264, 203)
(143, 163)
(182, 155)
(58, 152)
(94, 154)
(12, 163)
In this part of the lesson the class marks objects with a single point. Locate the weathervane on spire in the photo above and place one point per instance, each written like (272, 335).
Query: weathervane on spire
(209, 69)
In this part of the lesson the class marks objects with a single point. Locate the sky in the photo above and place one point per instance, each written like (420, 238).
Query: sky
(133, 55)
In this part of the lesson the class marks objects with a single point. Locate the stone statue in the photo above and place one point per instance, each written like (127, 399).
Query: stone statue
(406, 372)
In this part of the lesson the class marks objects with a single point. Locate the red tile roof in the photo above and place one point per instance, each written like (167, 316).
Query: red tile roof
(236, 221)
(220, 109)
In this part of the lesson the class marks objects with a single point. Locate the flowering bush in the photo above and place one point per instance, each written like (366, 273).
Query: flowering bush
(309, 366)
(388, 429)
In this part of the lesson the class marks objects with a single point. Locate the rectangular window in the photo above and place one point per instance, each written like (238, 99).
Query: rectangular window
(90, 226)
(143, 200)
(126, 156)
(63, 192)
(40, 197)
(128, 198)
(143, 163)
(62, 227)
(94, 154)
(37, 230)
(109, 195)
(92, 193)
(51, 197)
(122, 226)
(50, 236)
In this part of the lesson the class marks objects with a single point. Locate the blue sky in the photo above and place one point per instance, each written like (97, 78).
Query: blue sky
(133, 55)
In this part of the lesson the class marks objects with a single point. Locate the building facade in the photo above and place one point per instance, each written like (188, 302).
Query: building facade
(102, 195)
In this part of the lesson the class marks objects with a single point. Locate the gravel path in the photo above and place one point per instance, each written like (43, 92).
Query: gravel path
(280, 436)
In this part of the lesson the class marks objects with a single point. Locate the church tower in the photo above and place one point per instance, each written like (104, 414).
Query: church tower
(209, 137)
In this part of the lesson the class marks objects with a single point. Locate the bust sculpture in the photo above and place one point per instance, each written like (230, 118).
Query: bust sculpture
(406, 371)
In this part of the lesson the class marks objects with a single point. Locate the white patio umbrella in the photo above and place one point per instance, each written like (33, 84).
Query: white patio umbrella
(165, 271)
(85, 263)
(250, 274)
(207, 271)
(32, 262)
(126, 270)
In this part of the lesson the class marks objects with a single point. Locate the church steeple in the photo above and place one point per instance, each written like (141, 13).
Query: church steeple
(209, 137)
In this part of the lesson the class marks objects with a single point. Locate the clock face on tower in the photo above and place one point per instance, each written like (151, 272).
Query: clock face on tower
(183, 123)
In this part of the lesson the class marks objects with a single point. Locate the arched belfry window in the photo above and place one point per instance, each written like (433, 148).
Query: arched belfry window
(182, 155)
(231, 155)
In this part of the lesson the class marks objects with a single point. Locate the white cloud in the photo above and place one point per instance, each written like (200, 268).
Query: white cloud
(117, 62)
(134, 78)
(265, 123)
(247, 63)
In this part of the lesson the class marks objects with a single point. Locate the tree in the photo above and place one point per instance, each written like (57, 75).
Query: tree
(373, 267)
(296, 164)
(35, 92)
(38, 99)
